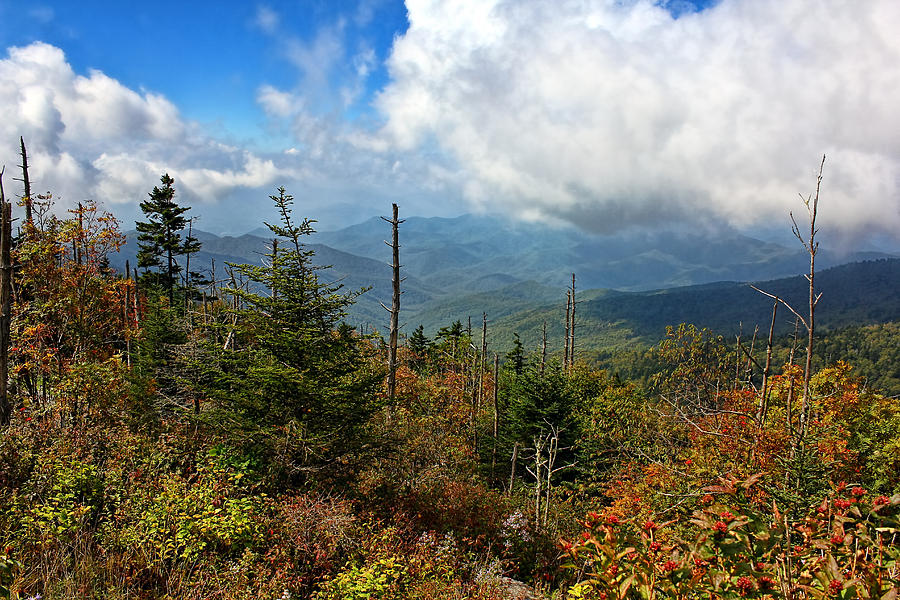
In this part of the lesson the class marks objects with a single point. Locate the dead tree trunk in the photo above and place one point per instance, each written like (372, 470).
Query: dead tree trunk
(26, 181)
(496, 414)
(809, 321)
(482, 358)
(572, 327)
(764, 396)
(543, 348)
(125, 314)
(512, 468)
(812, 247)
(395, 304)
(568, 318)
(5, 304)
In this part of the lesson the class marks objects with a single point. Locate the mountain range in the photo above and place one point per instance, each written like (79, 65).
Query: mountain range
(630, 284)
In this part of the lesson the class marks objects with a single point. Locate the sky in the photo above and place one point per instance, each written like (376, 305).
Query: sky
(602, 114)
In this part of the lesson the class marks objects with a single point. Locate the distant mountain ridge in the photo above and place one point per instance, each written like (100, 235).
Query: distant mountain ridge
(463, 266)
(860, 293)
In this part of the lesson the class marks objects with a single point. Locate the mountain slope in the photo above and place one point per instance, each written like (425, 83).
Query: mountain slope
(852, 294)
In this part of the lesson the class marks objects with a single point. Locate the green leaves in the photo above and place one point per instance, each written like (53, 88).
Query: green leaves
(8, 567)
(292, 371)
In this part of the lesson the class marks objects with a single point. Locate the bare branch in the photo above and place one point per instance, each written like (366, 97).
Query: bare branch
(782, 302)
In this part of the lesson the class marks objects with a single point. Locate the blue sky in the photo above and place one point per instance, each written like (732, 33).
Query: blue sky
(208, 57)
(605, 114)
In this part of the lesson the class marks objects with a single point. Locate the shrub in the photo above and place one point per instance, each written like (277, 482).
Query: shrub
(846, 547)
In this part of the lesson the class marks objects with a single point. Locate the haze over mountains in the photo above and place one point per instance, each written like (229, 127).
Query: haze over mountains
(517, 274)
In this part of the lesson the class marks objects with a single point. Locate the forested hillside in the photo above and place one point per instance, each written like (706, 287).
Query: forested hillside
(852, 294)
(167, 436)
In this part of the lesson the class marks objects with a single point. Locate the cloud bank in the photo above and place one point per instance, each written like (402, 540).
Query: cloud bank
(609, 114)
(91, 137)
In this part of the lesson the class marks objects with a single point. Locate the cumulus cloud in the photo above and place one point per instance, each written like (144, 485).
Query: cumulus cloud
(608, 114)
(89, 136)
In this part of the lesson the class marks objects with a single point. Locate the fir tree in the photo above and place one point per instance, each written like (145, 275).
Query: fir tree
(294, 366)
(160, 240)
(418, 345)
(516, 356)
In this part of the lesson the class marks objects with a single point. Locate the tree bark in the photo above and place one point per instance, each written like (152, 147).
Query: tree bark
(26, 181)
(395, 304)
(568, 317)
(496, 413)
(572, 327)
(5, 304)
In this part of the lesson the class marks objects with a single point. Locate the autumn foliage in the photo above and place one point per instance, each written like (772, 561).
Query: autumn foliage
(238, 442)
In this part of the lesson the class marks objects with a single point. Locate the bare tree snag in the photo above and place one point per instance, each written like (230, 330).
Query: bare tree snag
(764, 395)
(543, 348)
(568, 318)
(483, 357)
(5, 304)
(512, 469)
(496, 413)
(812, 248)
(26, 181)
(79, 238)
(125, 313)
(748, 370)
(395, 304)
(572, 327)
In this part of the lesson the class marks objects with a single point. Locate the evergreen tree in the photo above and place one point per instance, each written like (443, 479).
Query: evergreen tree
(516, 356)
(419, 344)
(293, 369)
(160, 240)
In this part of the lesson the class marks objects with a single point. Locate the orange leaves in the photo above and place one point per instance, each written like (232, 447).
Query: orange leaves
(70, 307)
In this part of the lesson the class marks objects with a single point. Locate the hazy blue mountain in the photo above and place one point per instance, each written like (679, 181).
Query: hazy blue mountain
(471, 253)
(460, 267)
(352, 271)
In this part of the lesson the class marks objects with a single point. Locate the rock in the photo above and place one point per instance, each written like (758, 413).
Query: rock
(516, 590)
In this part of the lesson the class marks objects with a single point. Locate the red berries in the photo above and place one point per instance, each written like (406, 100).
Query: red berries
(745, 584)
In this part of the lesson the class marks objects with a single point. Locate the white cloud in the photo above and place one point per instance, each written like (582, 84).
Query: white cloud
(89, 136)
(278, 103)
(614, 113)
(267, 19)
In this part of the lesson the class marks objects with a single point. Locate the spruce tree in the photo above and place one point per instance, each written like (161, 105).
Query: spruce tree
(418, 345)
(294, 371)
(160, 240)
